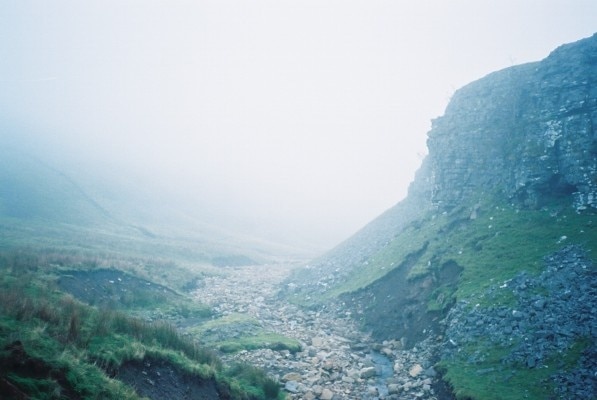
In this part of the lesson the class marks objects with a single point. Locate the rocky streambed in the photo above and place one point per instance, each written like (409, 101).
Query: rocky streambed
(336, 361)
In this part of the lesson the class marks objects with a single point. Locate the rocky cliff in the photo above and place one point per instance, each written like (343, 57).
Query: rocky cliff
(527, 131)
(509, 186)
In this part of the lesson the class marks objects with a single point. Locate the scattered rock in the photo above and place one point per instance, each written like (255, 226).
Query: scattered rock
(538, 329)
(415, 370)
(336, 360)
(326, 394)
(367, 372)
(292, 376)
(291, 386)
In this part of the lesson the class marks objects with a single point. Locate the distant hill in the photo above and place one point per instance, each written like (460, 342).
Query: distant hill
(506, 196)
(42, 206)
(32, 190)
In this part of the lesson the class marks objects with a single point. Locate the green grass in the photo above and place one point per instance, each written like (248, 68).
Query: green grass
(235, 332)
(228, 320)
(416, 241)
(262, 340)
(263, 386)
(501, 242)
(494, 247)
(86, 342)
(490, 379)
(42, 340)
(504, 241)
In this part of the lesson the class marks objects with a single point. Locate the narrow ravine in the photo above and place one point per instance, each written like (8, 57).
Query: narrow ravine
(337, 361)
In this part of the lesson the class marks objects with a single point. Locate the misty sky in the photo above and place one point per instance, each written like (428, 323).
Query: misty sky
(304, 118)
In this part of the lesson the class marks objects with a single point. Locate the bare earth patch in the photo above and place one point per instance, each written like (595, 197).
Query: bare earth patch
(159, 379)
(111, 287)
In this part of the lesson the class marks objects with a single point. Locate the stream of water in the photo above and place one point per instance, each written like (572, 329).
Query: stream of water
(384, 368)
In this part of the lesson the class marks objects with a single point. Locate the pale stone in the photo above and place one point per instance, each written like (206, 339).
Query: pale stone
(415, 370)
(291, 386)
(317, 389)
(353, 373)
(326, 394)
(292, 376)
(367, 372)
(372, 391)
(386, 351)
(309, 396)
(394, 389)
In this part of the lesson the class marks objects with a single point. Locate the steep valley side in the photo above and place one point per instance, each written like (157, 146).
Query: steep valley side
(508, 187)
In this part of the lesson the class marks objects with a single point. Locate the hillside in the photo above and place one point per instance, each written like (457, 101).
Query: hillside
(43, 206)
(96, 303)
(95, 306)
(32, 190)
(492, 254)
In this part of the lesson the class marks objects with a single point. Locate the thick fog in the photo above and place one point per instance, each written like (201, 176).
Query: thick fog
(294, 120)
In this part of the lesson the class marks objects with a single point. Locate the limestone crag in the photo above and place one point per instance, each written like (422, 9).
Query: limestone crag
(527, 131)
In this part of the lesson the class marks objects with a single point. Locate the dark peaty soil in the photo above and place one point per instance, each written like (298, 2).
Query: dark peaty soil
(159, 379)
(394, 307)
(15, 361)
(111, 287)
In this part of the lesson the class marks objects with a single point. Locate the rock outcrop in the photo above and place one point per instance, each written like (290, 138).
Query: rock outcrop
(526, 131)
(516, 149)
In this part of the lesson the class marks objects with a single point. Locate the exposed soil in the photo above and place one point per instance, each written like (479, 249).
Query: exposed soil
(111, 287)
(154, 379)
(159, 379)
(394, 307)
(15, 360)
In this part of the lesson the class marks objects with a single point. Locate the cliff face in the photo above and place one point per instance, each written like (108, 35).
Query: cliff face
(527, 132)
(492, 256)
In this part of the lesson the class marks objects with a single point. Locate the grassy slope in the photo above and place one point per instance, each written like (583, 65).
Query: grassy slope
(87, 342)
(43, 242)
(500, 242)
(43, 207)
